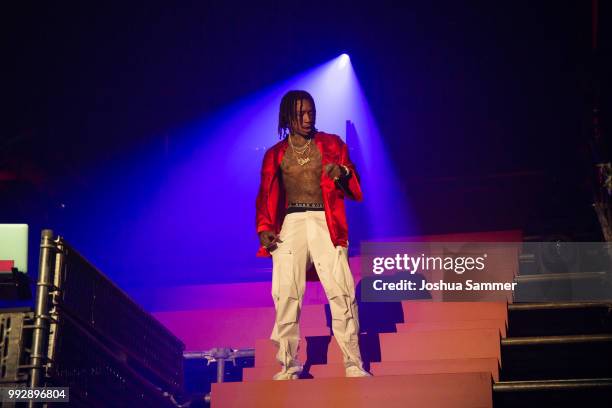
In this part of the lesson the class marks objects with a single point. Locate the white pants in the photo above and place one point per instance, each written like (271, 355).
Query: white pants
(305, 240)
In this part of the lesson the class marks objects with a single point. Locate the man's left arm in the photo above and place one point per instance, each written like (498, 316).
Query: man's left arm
(348, 179)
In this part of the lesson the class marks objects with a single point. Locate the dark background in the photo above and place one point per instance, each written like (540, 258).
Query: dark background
(485, 106)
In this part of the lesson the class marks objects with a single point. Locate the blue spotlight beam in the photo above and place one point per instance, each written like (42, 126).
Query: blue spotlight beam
(200, 225)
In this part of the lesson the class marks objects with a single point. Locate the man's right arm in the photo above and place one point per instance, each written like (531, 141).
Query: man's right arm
(263, 219)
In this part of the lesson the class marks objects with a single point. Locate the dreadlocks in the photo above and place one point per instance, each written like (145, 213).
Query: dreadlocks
(287, 111)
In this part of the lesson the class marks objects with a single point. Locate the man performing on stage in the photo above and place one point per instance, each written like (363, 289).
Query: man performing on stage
(301, 221)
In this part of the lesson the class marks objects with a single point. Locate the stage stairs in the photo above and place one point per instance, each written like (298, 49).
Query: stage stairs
(422, 353)
(468, 354)
(442, 355)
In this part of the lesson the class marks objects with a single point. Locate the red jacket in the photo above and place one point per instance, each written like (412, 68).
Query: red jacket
(271, 201)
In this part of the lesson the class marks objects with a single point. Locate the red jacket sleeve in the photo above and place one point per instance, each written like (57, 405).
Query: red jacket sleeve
(263, 219)
(350, 185)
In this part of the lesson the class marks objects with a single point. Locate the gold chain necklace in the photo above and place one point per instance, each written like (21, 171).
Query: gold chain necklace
(300, 152)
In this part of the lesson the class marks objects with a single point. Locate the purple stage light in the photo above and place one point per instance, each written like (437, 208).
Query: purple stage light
(343, 61)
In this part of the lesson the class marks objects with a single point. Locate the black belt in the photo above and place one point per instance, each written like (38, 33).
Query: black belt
(302, 207)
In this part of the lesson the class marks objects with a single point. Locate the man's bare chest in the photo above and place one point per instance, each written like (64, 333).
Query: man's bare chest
(298, 166)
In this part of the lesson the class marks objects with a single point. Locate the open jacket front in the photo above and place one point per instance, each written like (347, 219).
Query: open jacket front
(271, 201)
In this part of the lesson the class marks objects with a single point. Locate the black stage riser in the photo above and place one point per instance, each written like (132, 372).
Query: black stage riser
(562, 321)
(558, 398)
